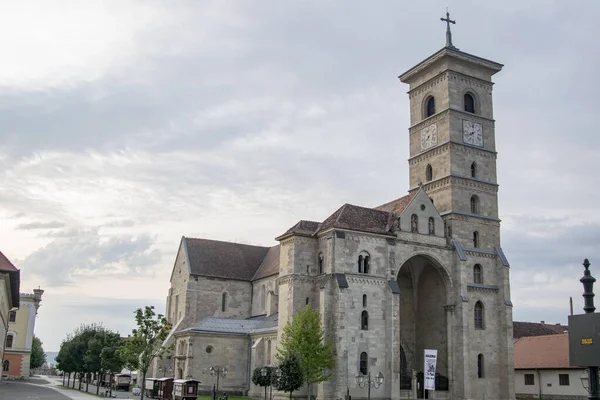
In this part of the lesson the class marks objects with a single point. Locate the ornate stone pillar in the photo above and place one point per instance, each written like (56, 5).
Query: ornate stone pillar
(450, 348)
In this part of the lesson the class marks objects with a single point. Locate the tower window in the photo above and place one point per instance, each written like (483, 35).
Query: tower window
(469, 103)
(364, 321)
(477, 274)
(473, 170)
(367, 265)
(364, 300)
(431, 226)
(320, 263)
(308, 270)
(428, 173)
(430, 107)
(307, 300)
(223, 302)
(474, 204)
(364, 263)
(360, 264)
(476, 239)
(414, 223)
(479, 315)
(480, 365)
(9, 341)
(12, 317)
(364, 363)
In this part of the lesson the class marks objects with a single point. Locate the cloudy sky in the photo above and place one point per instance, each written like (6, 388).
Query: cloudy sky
(127, 124)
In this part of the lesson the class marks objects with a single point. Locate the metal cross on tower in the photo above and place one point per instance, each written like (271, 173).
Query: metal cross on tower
(448, 21)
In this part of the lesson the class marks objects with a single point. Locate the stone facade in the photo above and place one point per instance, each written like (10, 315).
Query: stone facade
(425, 271)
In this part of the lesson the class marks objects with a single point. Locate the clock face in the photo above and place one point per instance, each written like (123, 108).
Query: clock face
(428, 136)
(472, 133)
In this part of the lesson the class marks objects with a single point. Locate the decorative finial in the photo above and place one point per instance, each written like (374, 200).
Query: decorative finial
(588, 286)
(448, 21)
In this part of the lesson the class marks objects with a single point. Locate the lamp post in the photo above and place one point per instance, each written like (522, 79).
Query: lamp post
(591, 383)
(360, 379)
(277, 376)
(263, 373)
(217, 371)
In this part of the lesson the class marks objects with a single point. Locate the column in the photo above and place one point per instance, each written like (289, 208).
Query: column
(450, 348)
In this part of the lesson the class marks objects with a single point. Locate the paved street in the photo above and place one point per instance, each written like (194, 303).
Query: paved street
(27, 391)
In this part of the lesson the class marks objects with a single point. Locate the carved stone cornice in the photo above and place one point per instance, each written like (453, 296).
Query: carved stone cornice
(287, 279)
(428, 85)
(480, 254)
(366, 238)
(366, 280)
(469, 80)
(475, 184)
(443, 114)
(427, 154)
(476, 287)
(449, 308)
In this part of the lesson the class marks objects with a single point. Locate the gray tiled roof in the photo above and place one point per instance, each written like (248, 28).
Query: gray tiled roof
(224, 259)
(269, 265)
(235, 326)
(360, 219)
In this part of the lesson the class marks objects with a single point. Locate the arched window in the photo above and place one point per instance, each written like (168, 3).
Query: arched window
(263, 297)
(320, 263)
(479, 315)
(367, 265)
(414, 223)
(474, 204)
(476, 239)
(430, 107)
(12, 316)
(364, 321)
(364, 363)
(5, 365)
(269, 352)
(223, 301)
(364, 300)
(431, 226)
(428, 173)
(473, 170)
(9, 341)
(477, 274)
(469, 103)
(360, 264)
(480, 366)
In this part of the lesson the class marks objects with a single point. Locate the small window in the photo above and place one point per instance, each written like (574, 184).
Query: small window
(480, 366)
(431, 226)
(5, 365)
(308, 270)
(209, 349)
(223, 302)
(364, 300)
(364, 363)
(563, 379)
(430, 107)
(414, 223)
(9, 341)
(364, 321)
(428, 173)
(476, 239)
(469, 103)
(479, 323)
(320, 263)
(477, 274)
(473, 170)
(529, 379)
(367, 265)
(360, 264)
(12, 316)
(263, 297)
(474, 204)
(307, 300)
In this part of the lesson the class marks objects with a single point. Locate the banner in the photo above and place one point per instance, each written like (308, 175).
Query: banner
(429, 371)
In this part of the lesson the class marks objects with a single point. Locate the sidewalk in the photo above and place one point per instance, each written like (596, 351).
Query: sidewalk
(75, 394)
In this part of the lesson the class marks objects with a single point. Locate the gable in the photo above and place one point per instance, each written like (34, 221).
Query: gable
(423, 208)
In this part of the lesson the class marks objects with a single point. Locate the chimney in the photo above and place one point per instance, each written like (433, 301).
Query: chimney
(542, 322)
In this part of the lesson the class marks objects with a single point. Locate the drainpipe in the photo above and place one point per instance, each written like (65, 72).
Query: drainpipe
(539, 375)
(249, 377)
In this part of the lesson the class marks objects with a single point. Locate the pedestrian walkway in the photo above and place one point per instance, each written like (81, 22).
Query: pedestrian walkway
(75, 394)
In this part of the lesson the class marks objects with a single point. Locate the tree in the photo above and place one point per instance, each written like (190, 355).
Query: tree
(292, 376)
(264, 381)
(38, 357)
(304, 338)
(151, 332)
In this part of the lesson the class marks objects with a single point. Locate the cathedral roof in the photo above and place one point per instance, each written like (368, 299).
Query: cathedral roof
(225, 260)
(235, 326)
(5, 264)
(269, 265)
(303, 227)
(359, 219)
(14, 277)
(397, 206)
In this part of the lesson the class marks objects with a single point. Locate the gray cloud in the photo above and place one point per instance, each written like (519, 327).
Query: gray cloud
(41, 225)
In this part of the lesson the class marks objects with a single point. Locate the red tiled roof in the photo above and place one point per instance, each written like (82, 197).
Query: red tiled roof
(397, 206)
(525, 329)
(550, 351)
(5, 264)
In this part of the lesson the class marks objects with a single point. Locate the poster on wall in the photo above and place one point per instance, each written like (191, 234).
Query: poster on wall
(429, 369)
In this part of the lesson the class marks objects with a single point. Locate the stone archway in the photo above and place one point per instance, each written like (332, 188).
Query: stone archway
(424, 288)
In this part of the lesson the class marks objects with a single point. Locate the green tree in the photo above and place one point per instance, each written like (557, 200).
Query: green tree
(264, 381)
(38, 357)
(151, 332)
(292, 376)
(304, 337)
(129, 350)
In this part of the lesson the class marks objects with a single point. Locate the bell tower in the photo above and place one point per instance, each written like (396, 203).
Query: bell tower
(452, 141)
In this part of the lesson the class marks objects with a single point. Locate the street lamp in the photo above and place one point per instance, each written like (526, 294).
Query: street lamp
(360, 379)
(217, 371)
(591, 383)
(263, 373)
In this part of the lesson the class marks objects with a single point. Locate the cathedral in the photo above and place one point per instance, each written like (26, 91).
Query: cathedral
(423, 272)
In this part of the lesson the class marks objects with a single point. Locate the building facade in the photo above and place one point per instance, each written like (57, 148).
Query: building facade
(19, 338)
(9, 298)
(425, 271)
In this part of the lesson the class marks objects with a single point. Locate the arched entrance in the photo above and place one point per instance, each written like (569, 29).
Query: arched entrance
(424, 286)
